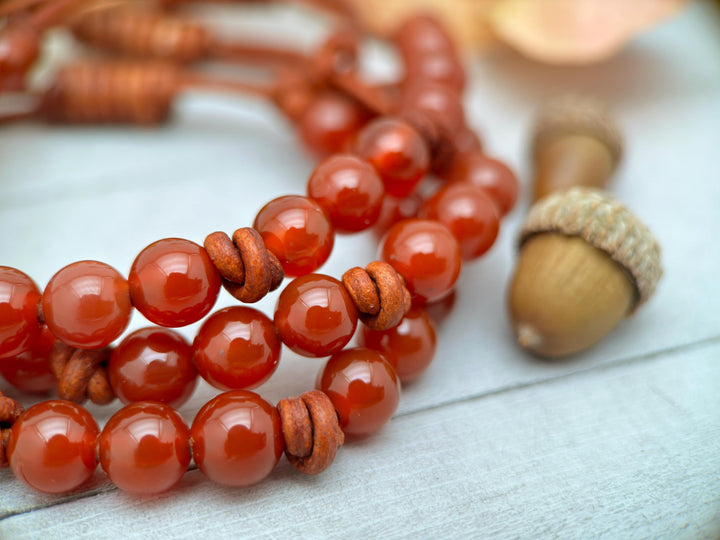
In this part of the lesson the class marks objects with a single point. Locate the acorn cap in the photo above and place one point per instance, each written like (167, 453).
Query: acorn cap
(605, 224)
(574, 115)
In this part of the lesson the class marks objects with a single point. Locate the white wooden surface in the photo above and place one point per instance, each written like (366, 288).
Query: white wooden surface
(622, 441)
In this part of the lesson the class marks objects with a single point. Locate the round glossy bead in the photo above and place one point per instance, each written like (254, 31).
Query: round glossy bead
(490, 174)
(315, 315)
(395, 209)
(237, 347)
(398, 153)
(52, 446)
(438, 101)
(330, 123)
(349, 190)
(438, 66)
(173, 282)
(469, 213)
(426, 254)
(409, 347)
(19, 49)
(153, 364)
(29, 371)
(145, 448)
(19, 298)
(237, 438)
(298, 231)
(87, 304)
(363, 387)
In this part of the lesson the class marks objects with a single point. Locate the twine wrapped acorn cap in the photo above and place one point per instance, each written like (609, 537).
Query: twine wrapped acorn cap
(605, 224)
(575, 115)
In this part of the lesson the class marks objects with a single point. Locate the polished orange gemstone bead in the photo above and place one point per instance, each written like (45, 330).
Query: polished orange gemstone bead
(409, 347)
(145, 448)
(237, 438)
(349, 190)
(315, 315)
(87, 304)
(153, 364)
(29, 371)
(440, 102)
(469, 213)
(395, 209)
(426, 254)
(330, 123)
(173, 282)
(19, 298)
(363, 387)
(237, 347)
(298, 231)
(52, 446)
(398, 153)
(490, 174)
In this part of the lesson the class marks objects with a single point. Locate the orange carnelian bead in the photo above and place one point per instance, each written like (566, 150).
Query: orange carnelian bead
(19, 49)
(315, 315)
(153, 364)
(145, 448)
(19, 298)
(490, 174)
(426, 254)
(298, 231)
(398, 153)
(237, 347)
(237, 438)
(30, 371)
(173, 282)
(363, 388)
(438, 101)
(87, 304)
(469, 213)
(349, 190)
(52, 446)
(395, 209)
(409, 347)
(330, 123)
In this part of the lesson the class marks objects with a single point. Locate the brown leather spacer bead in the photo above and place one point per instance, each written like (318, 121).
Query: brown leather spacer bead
(323, 426)
(81, 373)
(296, 426)
(248, 269)
(379, 294)
(10, 410)
(4, 436)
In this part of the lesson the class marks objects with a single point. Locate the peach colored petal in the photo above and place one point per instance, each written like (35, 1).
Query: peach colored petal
(575, 31)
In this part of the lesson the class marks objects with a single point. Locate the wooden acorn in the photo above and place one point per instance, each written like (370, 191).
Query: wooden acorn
(585, 263)
(576, 143)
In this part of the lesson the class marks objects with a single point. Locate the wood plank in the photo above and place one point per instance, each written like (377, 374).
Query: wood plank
(629, 451)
